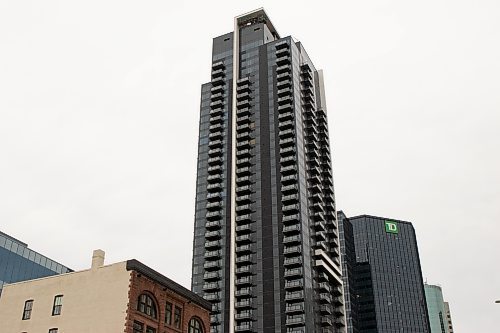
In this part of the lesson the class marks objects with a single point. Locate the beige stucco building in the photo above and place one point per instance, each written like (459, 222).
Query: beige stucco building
(124, 297)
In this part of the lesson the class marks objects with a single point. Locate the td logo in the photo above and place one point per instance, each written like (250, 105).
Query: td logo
(391, 227)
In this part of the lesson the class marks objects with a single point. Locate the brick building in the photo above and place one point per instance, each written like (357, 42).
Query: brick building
(124, 297)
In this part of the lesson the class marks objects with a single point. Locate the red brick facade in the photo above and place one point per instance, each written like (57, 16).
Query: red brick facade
(140, 284)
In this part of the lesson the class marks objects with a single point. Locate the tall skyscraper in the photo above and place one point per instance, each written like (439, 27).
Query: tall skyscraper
(266, 247)
(437, 309)
(385, 283)
(19, 263)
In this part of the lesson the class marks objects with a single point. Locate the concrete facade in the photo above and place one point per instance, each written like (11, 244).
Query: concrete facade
(102, 299)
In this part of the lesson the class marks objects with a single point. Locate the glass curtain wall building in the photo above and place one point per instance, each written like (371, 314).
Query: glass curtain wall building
(19, 263)
(266, 244)
(437, 309)
(386, 283)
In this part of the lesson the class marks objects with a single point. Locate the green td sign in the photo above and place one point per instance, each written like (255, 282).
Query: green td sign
(391, 227)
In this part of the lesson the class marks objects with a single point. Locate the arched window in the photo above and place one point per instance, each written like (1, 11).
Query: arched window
(147, 305)
(195, 326)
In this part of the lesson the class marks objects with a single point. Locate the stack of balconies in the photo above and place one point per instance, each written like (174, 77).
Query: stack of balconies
(292, 234)
(245, 259)
(214, 218)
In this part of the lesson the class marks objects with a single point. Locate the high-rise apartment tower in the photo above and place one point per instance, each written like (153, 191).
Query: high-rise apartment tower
(266, 247)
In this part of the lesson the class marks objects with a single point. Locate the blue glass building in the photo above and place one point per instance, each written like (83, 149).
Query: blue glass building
(19, 263)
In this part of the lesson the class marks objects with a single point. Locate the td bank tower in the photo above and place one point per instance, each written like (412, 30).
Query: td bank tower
(266, 243)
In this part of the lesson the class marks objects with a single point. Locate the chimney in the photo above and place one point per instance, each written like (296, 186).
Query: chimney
(97, 259)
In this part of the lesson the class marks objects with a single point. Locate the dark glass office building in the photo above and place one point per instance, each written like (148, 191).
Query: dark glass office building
(386, 283)
(266, 243)
(19, 263)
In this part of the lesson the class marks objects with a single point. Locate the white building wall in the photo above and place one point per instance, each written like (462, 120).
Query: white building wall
(94, 301)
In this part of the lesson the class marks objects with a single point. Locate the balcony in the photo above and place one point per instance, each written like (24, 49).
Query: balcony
(284, 125)
(243, 315)
(285, 83)
(325, 321)
(210, 276)
(295, 320)
(242, 162)
(287, 180)
(213, 254)
(288, 199)
(291, 229)
(294, 284)
(244, 259)
(212, 216)
(290, 209)
(247, 303)
(244, 218)
(244, 270)
(326, 309)
(216, 205)
(212, 297)
(292, 250)
(292, 240)
(244, 209)
(296, 295)
(214, 135)
(243, 292)
(211, 286)
(244, 327)
(287, 160)
(291, 219)
(284, 91)
(287, 68)
(245, 171)
(212, 235)
(288, 115)
(282, 49)
(293, 262)
(243, 248)
(212, 245)
(243, 281)
(244, 228)
(285, 100)
(286, 133)
(243, 112)
(213, 225)
(325, 298)
(289, 189)
(246, 238)
(214, 178)
(244, 153)
(294, 273)
(242, 190)
(243, 119)
(212, 265)
(283, 60)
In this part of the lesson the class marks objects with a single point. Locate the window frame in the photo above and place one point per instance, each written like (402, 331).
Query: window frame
(192, 328)
(134, 328)
(26, 311)
(177, 317)
(143, 306)
(57, 305)
(168, 313)
(53, 330)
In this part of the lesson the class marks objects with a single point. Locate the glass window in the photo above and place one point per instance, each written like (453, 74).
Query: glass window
(147, 305)
(53, 330)
(195, 326)
(168, 314)
(56, 309)
(177, 317)
(28, 306)
(138, 327)
(150, 329)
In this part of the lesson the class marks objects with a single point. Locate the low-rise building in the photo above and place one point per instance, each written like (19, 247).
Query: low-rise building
(124, 297)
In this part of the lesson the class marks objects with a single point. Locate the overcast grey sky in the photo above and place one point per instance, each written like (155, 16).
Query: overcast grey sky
(99, 104)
